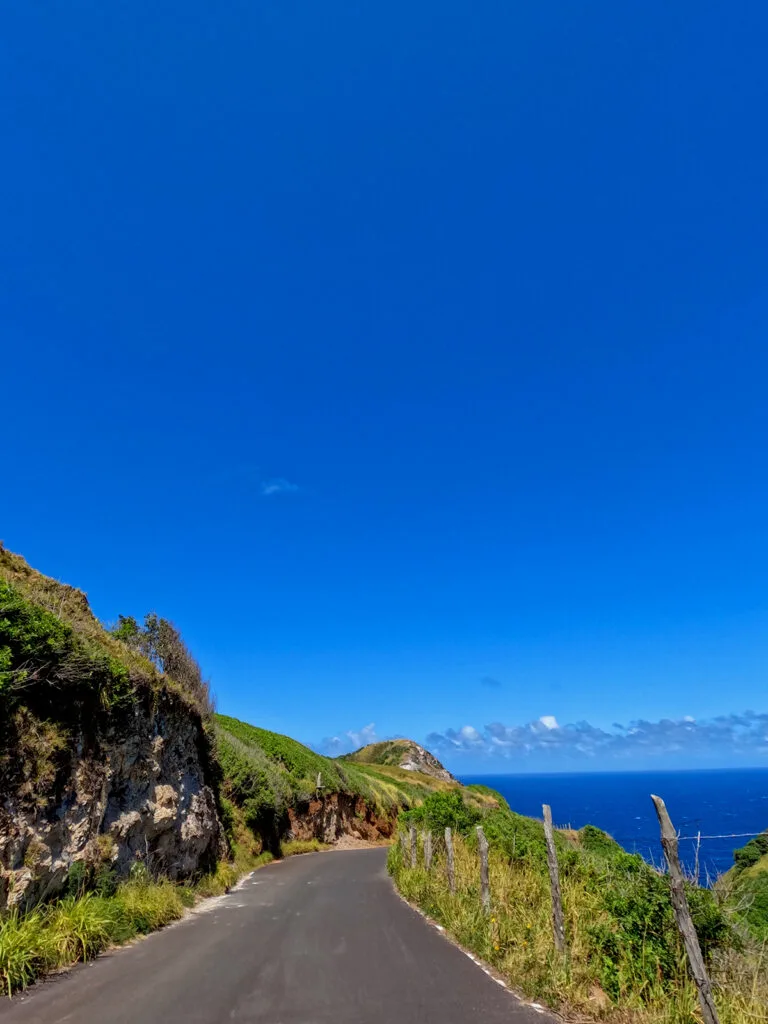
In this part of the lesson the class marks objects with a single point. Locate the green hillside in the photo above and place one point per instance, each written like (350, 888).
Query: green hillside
(388, 752)
(266, 774)
(401, 753)
(748, 882)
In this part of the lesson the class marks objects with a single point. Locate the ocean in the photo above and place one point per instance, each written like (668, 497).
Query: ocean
(715, 803)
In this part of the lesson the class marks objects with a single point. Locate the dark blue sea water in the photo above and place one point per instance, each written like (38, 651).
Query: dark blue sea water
(715, 803)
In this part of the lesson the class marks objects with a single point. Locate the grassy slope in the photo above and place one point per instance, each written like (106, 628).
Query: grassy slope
(61, 674)
(265, 773)
(388, 752)
(747, 885)
(625, 958)
(760, 867)
(45, 624)
(393, 753)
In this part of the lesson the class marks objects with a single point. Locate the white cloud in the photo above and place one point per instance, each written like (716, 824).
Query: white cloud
(728, 736)
(278, 485)
(363, 736)
(347, 741)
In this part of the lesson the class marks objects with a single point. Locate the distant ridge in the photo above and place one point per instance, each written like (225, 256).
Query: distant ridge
(401, 753)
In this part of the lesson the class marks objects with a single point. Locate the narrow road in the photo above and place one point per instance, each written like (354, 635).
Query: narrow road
(314, 939)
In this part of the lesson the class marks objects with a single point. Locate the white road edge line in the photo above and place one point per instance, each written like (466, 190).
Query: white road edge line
(486, 969)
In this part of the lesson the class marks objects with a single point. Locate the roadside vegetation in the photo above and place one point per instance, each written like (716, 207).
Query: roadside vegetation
(82, 924)
(64, 676)
(625, 958)
(745, 886)
(265, 773)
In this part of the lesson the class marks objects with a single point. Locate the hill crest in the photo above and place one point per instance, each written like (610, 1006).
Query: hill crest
(401, 753)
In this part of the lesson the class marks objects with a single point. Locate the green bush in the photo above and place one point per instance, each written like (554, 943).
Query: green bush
(443, 810)
(161, 643)
(517, 837)
(41, 654)
(750, 854)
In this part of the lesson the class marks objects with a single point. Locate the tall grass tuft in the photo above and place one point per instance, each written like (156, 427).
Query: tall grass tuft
(297, 846)
(79, 927)
(24, 951)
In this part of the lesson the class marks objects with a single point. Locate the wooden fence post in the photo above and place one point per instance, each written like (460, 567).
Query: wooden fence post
(413, 846)
(558, 923)
(404, 844)
(485, 885)
(449, 860)
(683, 914)
(428, 850)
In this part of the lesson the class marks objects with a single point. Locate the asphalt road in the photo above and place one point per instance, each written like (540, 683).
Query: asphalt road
(314, 939)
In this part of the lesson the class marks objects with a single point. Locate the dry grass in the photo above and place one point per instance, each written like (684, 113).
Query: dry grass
(516, 939)
(298, 846)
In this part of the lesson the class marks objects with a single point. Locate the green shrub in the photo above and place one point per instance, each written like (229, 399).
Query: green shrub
(594, 840)
(517, 837)
(443, 810)
(161, 643)
(40, 654)
(750, 854)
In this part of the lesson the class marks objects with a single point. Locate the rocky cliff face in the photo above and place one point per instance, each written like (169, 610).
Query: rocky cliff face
(138, 791)
(416, 759)
(104, 759)
(338, 814)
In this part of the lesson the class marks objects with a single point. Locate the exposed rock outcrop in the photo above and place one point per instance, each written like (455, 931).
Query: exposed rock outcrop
(338, 814)
(103, 759)
(139, 792)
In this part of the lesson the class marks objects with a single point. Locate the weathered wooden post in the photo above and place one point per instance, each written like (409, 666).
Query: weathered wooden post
(485, 884)
(449, 861)
(428, 850)
(404, 845)
(683, 914)
(413, 846)
(558, 922)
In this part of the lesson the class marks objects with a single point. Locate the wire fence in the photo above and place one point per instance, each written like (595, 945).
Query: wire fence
(677, 872)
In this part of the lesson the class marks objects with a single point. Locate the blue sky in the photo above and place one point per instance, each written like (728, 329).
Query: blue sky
(411, 358)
